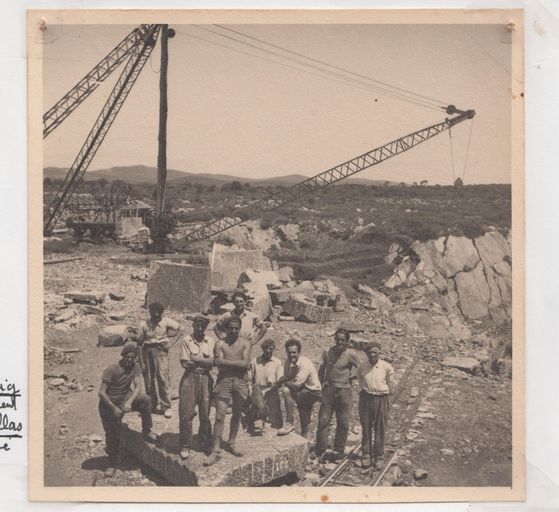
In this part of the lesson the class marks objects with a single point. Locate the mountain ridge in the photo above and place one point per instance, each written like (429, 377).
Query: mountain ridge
(137, 174)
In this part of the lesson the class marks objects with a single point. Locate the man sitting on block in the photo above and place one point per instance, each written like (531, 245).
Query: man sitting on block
(264, 404)
(120, 392)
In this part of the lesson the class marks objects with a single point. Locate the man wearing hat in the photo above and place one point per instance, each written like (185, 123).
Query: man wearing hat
(157, 335)
(376, 382)
(197, 359)
(120, 392)
(252, 328)
(264, 404)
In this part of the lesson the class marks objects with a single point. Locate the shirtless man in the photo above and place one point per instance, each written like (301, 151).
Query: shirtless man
(232, 357)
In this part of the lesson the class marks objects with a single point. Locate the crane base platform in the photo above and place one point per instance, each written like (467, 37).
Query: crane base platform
(266, 459)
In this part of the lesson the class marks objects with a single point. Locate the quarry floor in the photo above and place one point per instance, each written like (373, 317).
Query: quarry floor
(466, 443)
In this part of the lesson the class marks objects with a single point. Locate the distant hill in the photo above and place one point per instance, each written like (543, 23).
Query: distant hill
(136, 174)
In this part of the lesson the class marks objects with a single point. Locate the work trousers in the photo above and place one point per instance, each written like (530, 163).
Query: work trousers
(336, 400)
(195, 390)
(304, 399)
(156, 376)
(373, 415)
(265, 405)
(111, 424)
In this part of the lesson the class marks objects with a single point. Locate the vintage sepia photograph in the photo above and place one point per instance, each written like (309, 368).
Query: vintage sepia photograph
(276, 250)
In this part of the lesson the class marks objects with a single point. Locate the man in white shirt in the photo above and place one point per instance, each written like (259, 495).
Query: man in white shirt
(156, 336)
(376, 382)
(197, 359)
(300, 386)
(264, 405)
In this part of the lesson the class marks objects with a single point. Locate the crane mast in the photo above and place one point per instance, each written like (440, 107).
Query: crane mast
(333, 175)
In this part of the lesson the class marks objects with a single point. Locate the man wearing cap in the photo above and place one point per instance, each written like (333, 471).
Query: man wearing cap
(336, 373)
(252, 327)
(232, 358)
(197, 359)
(300, 386)
(264, 371)
(157, 335)
(376, 382)
(120, 392)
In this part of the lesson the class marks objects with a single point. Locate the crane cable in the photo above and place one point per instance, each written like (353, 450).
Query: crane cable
(431, 104)
(337, 76)
(464, 168)
(428, 98)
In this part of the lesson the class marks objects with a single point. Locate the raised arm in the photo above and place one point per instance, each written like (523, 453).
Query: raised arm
(218, 329)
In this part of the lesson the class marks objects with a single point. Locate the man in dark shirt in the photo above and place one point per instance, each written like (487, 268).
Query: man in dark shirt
(338, 370)
(120, 392)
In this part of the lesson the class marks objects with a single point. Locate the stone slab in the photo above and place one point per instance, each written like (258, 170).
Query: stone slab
(227, 265)
(306, 312)
(89, 297)
(179, 286)
(266, 458)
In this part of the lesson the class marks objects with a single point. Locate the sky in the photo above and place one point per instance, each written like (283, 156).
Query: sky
(233, 113)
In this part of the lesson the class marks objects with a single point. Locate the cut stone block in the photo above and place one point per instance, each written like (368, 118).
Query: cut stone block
(281, 295)
(467, 364)
(285, 274)
(266, 458)
(93, 297)
(179, 286)
(260, 299)
(306, 312)
(112, 336)
(268, 278)
(228, 265)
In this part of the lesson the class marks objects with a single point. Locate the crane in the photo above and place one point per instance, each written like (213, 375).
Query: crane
(332, 175)
(138, 46)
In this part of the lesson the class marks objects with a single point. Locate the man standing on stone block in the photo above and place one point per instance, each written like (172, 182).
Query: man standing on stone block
(232, 357)
(264, 404)
(376, 383)
(252, 327)
(300, 386)
(120, 392)
(157, 335)
(336, 373)
(197, 359)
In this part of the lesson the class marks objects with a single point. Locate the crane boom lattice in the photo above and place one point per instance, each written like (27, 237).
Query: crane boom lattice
(128, 77)
(55, 115)
(333, 175)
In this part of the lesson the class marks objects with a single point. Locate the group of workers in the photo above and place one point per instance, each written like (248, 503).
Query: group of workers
(248, 387)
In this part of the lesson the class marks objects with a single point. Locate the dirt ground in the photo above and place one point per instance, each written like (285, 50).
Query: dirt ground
(466, 442)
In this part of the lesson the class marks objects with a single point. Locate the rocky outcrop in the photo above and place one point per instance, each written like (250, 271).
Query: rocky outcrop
(470, 277)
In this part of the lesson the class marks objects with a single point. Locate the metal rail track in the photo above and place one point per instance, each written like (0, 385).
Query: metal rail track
(334, 477)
